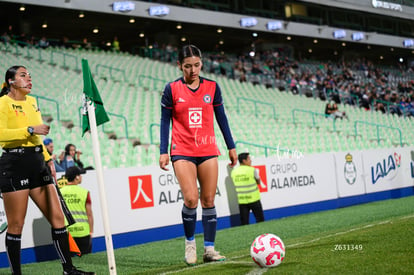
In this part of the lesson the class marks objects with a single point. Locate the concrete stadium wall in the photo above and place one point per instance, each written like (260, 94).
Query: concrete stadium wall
(145, 202)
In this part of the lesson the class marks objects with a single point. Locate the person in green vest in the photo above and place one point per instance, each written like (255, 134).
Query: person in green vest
(246, 180)
(78, 200)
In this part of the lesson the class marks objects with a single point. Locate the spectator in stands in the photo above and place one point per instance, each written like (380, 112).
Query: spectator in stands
(115, 44)
(48, 142)
(7, 35)
(86, 44)
(78, 200)
(239, 71)
(193, 147)
(43, 43)
(394, 107)
(410, 107)
(366, 100)
(5, 38)
(331, 110)
(72, 158)
(214, 65)
(294, 85)
(64, 43)
(256, 69)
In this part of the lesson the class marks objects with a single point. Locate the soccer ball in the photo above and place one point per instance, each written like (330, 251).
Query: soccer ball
(267, 250)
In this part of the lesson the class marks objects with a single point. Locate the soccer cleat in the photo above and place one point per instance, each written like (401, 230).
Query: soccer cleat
(210, 255)
(75, 271)
(190, 252)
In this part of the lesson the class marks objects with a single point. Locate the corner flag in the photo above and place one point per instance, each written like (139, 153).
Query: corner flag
(93, 115)
(91, 93)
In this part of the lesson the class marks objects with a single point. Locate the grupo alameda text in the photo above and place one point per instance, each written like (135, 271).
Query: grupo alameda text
(287, 175)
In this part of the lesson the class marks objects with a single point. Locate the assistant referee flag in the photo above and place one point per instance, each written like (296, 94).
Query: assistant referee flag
(91, 95)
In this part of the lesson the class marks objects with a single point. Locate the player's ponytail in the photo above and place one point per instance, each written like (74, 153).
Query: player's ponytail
(4, 89)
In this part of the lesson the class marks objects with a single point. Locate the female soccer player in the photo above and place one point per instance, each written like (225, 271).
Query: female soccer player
(23, 171)
(191, 102)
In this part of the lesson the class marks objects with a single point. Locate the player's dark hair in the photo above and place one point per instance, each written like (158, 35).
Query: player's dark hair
(10, 74)
(188, 51)
(243, 156)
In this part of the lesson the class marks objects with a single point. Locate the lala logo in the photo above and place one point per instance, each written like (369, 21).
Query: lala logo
(387, 168)
(140, 191)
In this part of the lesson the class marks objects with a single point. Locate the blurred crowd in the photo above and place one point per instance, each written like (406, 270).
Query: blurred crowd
(43, 42)
(359, 82)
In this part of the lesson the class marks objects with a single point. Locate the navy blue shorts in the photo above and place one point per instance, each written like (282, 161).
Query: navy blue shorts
(196, 160)
(19, 171)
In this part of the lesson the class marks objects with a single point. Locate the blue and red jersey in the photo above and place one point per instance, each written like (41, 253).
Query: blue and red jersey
(192, 114)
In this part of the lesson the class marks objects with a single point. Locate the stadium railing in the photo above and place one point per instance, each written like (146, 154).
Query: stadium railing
(378, 126)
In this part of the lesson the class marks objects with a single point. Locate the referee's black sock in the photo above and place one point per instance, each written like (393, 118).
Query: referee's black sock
(61, 241)
(13, 247)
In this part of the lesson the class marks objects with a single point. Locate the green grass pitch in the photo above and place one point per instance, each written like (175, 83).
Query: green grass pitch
(374, 238)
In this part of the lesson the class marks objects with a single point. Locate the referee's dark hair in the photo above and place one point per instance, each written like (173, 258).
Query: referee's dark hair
(243, 156)
(188, 51)
(10, 74)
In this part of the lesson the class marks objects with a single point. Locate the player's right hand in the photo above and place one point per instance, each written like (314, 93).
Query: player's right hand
(164, 161)
(41, 129)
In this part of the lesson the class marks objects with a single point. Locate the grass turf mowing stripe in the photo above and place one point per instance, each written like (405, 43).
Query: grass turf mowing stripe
(257, 270)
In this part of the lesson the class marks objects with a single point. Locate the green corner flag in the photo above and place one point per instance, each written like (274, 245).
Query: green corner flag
(91, 95)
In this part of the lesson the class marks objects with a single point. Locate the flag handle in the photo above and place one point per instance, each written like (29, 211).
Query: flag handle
(65, 209)
(101, 186)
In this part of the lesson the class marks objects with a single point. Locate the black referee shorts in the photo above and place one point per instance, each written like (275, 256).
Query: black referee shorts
(23, 169)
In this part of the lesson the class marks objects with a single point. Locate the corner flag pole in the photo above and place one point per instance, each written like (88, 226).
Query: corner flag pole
(101, 186)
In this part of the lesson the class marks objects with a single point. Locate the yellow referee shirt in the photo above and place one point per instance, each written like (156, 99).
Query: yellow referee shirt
(15, 117)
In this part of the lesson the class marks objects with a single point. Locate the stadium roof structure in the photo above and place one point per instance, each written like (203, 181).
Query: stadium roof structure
(219, 31)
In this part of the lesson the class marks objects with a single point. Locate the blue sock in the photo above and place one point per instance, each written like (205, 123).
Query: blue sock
(189, 216)
(209, 218)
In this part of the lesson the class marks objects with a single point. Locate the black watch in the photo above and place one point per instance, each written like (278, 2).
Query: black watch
(30, 130)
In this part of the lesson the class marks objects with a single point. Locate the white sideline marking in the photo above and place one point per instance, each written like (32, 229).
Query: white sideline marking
(259, 271)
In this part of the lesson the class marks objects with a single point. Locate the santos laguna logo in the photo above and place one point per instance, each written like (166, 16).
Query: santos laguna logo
(140, 190)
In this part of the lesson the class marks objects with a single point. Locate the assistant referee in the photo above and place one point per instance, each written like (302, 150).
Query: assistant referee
(23, 171)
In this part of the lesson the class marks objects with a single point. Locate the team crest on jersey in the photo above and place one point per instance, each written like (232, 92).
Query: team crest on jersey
(207, 98)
